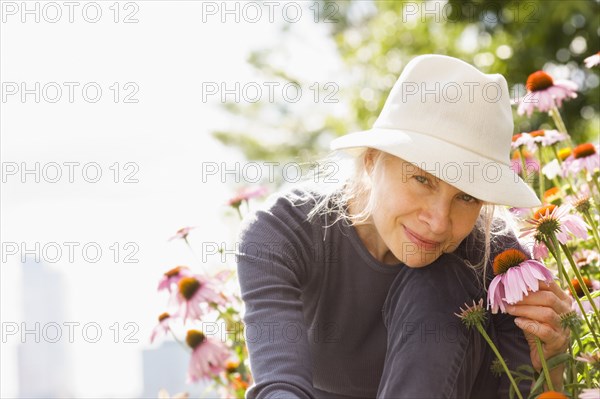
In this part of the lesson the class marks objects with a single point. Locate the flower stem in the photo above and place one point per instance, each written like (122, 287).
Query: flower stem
(558, 121)
(540, 174)
(572, 374)
(564, 172)
(523, 167)
(204, 271)
(586, 370)
(499, 356)
(584, 287)
(595, 180)
(185, 346)
(556, 253)
(550, 244)
(538, 343)
(588, 217)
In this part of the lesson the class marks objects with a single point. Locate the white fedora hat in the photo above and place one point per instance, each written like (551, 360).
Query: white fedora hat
(453, 121)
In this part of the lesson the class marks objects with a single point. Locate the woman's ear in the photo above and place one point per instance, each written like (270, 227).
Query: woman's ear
(369, 160)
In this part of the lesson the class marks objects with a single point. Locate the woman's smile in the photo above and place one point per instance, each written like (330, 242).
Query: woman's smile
(421, 242)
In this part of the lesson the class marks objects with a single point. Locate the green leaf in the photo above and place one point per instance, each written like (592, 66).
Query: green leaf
(525, 368)
(558, 360)
(537, 387)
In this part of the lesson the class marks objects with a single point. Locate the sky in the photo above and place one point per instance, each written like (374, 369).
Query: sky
(105, 104)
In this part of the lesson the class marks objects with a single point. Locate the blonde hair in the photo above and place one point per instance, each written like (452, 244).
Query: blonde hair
(340, 178)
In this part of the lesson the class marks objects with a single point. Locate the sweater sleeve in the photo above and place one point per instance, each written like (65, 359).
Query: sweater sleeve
(271, 266)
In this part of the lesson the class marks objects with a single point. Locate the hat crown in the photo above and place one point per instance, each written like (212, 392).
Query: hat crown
(449, 99)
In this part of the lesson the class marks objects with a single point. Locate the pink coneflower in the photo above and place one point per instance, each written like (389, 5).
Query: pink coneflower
(517, 141)
(164, 394)
(591, 285)
(516, 275)
(208, 356)
(547, 137)
(590, 393)
(195, 294)
(583, 157)
(544, 93)
(552, 219)
(172, 277)
(245, 194)
(182, 233)
(593, 359)
(540, 250)
(586, 258)
(162, 328)
(544, 137)
(531, 164)
(587, 306)
(551, 195)
(592, 60)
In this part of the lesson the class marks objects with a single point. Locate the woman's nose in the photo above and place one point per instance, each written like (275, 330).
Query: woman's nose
(436, 214)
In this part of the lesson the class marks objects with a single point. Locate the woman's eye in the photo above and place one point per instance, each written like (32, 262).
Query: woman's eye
(421, 179)
(468, 198)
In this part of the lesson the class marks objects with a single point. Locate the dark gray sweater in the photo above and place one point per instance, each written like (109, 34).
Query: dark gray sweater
(313, 305)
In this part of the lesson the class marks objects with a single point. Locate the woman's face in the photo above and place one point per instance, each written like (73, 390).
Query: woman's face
(418, 217)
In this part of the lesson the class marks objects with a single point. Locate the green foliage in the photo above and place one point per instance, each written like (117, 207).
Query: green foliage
(376, 39)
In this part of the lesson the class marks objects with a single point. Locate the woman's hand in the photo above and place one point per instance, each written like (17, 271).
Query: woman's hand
(538, 315)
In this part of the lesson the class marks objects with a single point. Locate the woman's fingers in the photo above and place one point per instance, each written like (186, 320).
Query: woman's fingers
(538, 314)
(555, 288)
(541, 314)
(547, 299)
(554, 341)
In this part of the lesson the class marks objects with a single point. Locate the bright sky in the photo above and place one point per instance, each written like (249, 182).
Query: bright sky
(162, 140)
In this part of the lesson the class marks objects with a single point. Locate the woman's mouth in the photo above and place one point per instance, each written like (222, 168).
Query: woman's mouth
(421, 242)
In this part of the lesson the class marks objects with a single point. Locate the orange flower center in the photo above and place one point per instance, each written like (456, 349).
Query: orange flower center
(552, 395)
(542, 211)
(175, 271)
(564, 153)
(194, 338)
(526, 154)
(577, 286)
(163, 316)
(539, 80)
(507, 259)
(550, 192)
(516, 136)
(584, 150)
(537, 133)
(188, 286)
(231, 366)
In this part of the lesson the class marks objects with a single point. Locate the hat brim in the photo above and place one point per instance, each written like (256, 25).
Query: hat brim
(483, 178)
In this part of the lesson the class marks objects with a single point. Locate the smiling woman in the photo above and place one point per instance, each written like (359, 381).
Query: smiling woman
(398, 222)
(363, 306)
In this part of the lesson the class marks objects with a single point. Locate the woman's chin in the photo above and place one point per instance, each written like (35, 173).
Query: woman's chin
(416, 261)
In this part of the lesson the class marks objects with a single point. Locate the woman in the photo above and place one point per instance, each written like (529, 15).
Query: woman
(351, 292)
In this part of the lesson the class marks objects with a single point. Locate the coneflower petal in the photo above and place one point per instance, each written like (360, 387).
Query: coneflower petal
(492, 293)
(540, 251)
(515, 285)
(499, 299)
(521, 281)
(548, 276)
(576, 226)
(535, 271)
(561, 235)
(511, 289)
(531, 281)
